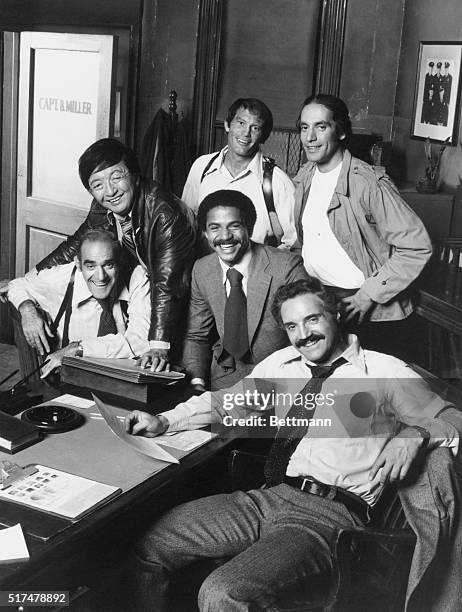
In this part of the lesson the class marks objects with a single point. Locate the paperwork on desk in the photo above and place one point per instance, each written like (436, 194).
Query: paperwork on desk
(178, 444)
(122, 369)
(13, 546)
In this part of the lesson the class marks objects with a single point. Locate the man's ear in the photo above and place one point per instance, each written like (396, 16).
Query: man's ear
(226, 126)
(342, 136)
(77, 263)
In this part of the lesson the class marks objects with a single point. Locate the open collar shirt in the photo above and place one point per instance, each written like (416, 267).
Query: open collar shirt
(345, 439)
(47, 290)
(249, 182)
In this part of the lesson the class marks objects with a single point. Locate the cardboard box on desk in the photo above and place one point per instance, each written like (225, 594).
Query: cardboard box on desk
(118, 377)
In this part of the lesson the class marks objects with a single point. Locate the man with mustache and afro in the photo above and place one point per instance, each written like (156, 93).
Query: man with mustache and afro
(230, 327)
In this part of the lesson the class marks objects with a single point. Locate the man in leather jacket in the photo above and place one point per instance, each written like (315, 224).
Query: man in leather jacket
(154, 226)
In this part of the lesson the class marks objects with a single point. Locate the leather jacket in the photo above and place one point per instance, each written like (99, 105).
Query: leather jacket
(165, 238)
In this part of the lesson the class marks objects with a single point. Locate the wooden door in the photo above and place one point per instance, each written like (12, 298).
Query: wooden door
(66, 102)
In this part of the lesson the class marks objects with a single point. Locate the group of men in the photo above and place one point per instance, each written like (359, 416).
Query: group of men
(436, 94)
(293, 267)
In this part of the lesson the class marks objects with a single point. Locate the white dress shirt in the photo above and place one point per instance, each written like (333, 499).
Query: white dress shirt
(342, 448)
(243, 267)
(47, 290)
(249, 182)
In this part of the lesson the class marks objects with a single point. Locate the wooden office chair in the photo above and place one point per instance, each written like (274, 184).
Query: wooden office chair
(370, 565)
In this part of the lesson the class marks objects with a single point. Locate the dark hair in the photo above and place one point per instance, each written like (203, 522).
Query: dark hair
(303, 286)
(339, 112)
(231, 198)
(101, 235)
(257, 107)
(439, 64)
(103, 154)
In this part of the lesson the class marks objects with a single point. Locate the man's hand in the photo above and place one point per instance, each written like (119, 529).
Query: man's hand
(156, 359)
(4, 290)
(396, 458)
(357, 304)
(55, 359)
(35, 328)
(145, 424)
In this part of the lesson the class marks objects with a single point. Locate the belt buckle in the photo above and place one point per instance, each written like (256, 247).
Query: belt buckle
(305, 480)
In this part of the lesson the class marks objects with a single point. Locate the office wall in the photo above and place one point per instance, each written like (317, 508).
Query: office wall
(426, 20)
(268, 52)
(168, 57)
(370, 63)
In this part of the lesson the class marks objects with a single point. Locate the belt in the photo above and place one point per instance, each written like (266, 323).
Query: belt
(315, 487)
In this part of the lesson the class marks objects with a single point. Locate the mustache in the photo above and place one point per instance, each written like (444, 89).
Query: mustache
(310, 338)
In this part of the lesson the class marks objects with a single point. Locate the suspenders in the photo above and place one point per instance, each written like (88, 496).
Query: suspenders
(66, 307)
(267, 188)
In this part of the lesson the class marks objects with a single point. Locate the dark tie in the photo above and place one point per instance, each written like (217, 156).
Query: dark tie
(127, 236)
(288, 437)
(107, 324)
(236, 337)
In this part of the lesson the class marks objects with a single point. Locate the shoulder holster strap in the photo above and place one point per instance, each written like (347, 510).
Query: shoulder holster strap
(267, 186)
(209, 165)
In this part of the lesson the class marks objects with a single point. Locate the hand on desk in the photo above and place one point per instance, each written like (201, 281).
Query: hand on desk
(156, 359)
(54, 360)
(140, 423)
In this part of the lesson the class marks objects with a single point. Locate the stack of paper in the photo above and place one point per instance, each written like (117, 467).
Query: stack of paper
(122, 369)
(12, 545)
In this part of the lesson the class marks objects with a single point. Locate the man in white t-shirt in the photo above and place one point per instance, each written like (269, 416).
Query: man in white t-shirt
(241, 166)
(357, 234)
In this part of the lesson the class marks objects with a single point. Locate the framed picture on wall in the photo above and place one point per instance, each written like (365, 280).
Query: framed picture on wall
(437, 92)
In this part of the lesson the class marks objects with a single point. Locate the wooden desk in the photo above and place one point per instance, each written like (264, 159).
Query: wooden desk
(78, 555)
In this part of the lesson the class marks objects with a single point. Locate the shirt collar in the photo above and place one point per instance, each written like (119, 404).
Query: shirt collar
(242, 266)
(83, 294)
(118, 218)
(255, 165)
(353, 353)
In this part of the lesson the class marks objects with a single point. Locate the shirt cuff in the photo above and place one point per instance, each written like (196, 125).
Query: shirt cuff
(198, 381)
(159, 344)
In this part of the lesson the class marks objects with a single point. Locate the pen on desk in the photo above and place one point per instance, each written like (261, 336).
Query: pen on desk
(23, 380)
(9, 376)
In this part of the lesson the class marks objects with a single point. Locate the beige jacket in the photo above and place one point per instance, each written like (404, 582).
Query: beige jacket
(381, 234)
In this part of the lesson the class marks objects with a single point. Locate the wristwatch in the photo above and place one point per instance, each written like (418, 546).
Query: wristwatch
(422, 432)
(79, 351)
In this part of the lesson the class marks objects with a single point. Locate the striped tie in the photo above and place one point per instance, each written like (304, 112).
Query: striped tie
(127, 236)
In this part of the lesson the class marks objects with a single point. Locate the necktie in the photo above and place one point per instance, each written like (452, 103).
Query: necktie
(236, 337)
(288, 437)
(107, 324)
(127, 236)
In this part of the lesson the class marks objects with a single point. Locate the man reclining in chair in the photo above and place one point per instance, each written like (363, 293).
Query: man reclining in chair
(374, 418)
(88, 308)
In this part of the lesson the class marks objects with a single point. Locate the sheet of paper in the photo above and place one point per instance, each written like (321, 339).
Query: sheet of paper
(186, 440)
(13, 546)
(147, 446)
(73, 400)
